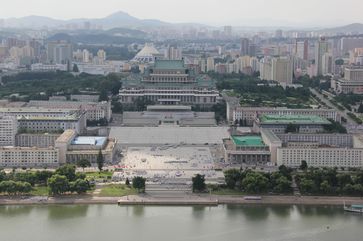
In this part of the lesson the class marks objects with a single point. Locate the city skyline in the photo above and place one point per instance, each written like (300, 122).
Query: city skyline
(306, 14)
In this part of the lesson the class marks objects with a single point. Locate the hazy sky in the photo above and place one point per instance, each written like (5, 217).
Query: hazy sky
(215, 12)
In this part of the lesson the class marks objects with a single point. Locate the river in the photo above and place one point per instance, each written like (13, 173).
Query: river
(138, 223)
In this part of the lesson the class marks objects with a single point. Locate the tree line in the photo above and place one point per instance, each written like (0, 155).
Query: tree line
(328, 181)
(63, 180)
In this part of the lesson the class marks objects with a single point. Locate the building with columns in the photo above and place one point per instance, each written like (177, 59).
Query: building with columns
(170, 82)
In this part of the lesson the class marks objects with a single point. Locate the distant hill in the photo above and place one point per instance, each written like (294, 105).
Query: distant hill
(352, 28)
(116, 20)
(109, 37)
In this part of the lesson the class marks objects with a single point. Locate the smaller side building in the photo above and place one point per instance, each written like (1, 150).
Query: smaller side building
(297, 123)
(246, 149)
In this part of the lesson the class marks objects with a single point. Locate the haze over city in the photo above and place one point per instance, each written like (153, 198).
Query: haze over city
(308, 13)
(158, 120)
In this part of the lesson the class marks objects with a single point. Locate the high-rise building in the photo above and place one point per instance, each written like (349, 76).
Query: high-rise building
(101, 54)
(278, 33)
(59, 52)
(282, 70)
(227, 31)
(210, 64)
(348, 44)
(245, 44)
(173, 53)
(8, 130)
(302, 49)
(86, 56)
(321, 48)
(327, 64)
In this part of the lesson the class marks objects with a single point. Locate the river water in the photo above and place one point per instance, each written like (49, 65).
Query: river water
(138, 223)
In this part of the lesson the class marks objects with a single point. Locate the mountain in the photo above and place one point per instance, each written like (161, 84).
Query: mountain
(32, 22)
(351, 28)
(116, 20)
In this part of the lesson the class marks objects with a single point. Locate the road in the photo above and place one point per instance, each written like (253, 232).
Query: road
(343, 113)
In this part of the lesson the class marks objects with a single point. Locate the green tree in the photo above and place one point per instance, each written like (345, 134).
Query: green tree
(344, 179)
(2, 175)
(58, 184)
(325, 187)
(285, 171)
(29, 177)
(304, 165)
(103, 96)
(307, 186)
(100, 160)
(79, 186)
(282, 185)
(360, 108)
(83, 163)
(42, 176)
(255, 182)
(75, 68)
(139, 184)
(232, 176)
(68, 170)
(198, 183)
(117, 107)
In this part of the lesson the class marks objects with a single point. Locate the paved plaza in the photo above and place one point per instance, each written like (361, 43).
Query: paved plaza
(167, 163)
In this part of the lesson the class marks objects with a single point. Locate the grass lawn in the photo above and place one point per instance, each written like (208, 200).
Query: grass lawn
(116, 190)
(98, 175)
(40, 191)
(228, 192)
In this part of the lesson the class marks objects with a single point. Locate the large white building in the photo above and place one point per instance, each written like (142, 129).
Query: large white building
(50, 150)
(169, 82)
(351, 83)
(94, 110)
(47, 120)
(8, 130)
(249, 114)
(318, 150)
(28, 157)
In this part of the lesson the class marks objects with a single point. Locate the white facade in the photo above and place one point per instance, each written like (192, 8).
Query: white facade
(249, 114)
(320, 157)
(8, 130)
(48, 67)
(94, 110)
(28, 157)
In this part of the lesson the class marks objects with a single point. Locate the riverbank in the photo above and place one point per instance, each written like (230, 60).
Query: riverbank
(181, 200)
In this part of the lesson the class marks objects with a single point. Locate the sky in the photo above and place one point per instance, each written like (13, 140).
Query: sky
(213, 12)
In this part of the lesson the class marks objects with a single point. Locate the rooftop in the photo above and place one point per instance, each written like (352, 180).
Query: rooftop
(293, 119)
(89, 140)
(169, 64)
(248, 141)
(66, 136)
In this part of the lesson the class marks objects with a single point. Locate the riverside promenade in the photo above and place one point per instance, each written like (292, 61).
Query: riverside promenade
(187, 199)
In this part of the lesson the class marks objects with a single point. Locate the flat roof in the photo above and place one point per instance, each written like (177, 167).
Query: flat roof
(66, 136)
(169, 64)
(89, 140)
(248, 141)
(293, 119)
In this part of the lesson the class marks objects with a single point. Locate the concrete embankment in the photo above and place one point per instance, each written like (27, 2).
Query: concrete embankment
(187, 200)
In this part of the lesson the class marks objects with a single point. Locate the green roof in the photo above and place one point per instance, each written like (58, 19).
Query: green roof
(248, 141)
(293, 119)
(169, 64)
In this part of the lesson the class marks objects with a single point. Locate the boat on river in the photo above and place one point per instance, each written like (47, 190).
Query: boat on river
(354, 208)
